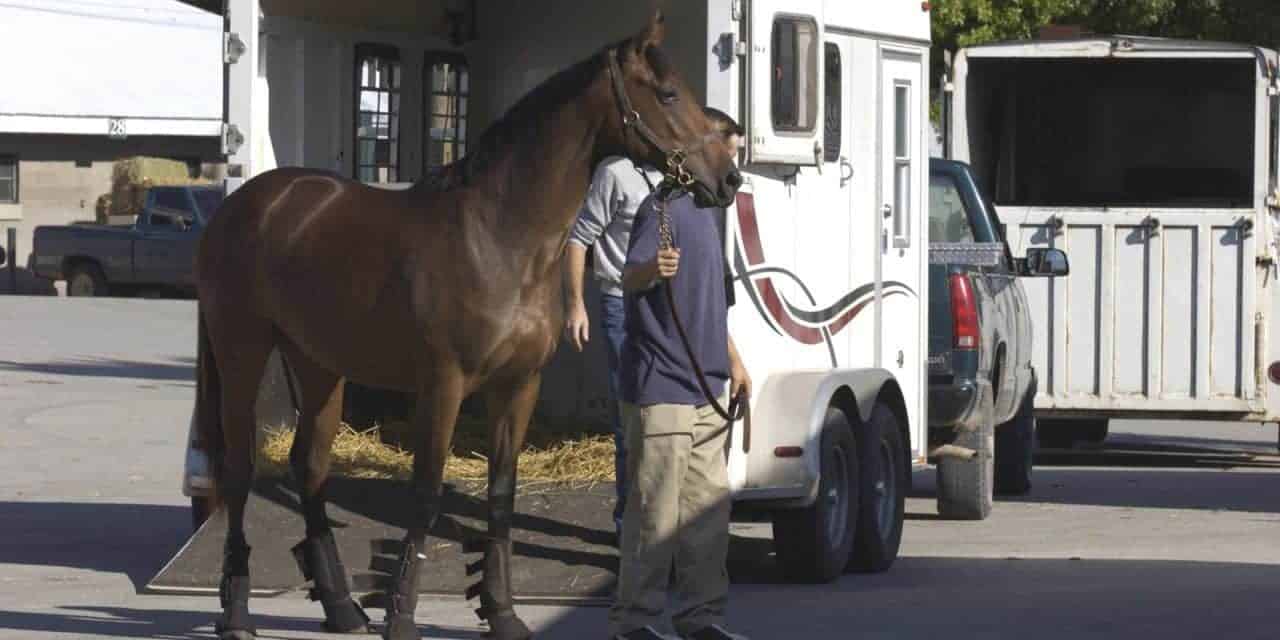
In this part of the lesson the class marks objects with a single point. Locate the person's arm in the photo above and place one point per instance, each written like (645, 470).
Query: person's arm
(739, 379)
(595, 215)
(645, 263)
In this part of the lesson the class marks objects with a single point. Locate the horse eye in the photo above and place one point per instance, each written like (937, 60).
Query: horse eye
(667, 96)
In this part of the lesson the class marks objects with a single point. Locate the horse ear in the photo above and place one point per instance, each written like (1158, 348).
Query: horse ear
(654, 33)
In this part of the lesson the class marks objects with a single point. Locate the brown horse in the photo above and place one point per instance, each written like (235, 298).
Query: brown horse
(447, 289)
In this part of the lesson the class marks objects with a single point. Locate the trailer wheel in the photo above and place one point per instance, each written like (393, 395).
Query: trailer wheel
(814, 544)
(199, 512)
(86, 280)
(965, 486)
(881, 509)
(1015, 448)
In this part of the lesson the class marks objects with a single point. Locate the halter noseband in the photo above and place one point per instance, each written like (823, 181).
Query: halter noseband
(631, 120)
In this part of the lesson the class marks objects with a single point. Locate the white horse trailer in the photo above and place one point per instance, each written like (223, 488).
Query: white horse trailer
(1153, 163)
(827, 242)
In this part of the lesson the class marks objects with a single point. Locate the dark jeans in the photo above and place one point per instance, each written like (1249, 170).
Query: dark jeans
(611, 319)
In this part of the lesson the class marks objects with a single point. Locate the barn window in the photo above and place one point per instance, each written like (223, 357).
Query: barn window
(8, 180)
(795, 74)
(378, 80)
(448, 83)
(835, 104)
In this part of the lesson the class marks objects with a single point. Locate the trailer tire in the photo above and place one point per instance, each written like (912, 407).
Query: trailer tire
(1015, 449)
(965, 486)
(882, 501)
(86, 280)
(814, 544)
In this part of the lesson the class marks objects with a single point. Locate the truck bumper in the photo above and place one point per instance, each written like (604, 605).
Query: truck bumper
(958, 406)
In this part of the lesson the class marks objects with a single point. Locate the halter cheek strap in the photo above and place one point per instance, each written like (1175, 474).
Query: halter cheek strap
(631, 121)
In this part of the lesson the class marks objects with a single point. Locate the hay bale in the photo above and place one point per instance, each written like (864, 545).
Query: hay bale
(132, 177)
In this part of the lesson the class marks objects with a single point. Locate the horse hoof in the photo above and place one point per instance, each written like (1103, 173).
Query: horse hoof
(236, 634)
(400, 628)
(345, 617)
(508, 627)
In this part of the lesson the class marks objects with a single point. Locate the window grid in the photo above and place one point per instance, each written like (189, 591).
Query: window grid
(377, 127)
(902, 165)
(448, 82)
(8, 180)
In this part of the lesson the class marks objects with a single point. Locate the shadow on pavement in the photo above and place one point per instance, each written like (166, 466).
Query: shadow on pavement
(178, 369)
(132, 539)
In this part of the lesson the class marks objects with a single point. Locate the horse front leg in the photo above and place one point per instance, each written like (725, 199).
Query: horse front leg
(510, 409)
(438, 402)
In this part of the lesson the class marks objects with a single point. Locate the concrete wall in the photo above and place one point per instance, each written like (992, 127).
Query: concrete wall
(52, 189)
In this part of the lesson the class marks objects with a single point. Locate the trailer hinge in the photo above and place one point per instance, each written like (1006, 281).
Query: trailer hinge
(232, 48)
(737, 9)
(232, 139)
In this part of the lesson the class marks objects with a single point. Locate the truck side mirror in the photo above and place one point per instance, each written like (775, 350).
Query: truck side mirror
(1044, 262)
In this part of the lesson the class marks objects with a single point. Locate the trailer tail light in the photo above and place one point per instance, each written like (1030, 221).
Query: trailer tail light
(964, 313)
(788, 452)
(1273, 372)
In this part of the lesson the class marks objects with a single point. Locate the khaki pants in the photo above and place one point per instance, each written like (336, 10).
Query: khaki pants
(677, 514)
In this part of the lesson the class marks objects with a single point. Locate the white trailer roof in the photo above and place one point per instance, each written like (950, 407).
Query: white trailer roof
(72, 64)
(1105, 46)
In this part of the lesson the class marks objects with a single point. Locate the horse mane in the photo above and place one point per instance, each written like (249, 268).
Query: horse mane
(522, 122)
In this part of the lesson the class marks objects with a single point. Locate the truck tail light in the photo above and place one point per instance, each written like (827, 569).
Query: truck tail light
(964, 313)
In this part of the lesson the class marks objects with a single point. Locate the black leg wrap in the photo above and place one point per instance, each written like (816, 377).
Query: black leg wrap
(235, 623)
(494, 589)
(403, 599)
(318, 559)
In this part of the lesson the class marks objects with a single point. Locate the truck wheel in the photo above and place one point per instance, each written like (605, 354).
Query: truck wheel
(814, 544)
(965, 486)
(885, 476)
(199, 512)
(1015, 446)
(85, 280)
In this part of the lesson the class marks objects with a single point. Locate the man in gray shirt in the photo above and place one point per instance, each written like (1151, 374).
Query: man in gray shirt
(604, 225)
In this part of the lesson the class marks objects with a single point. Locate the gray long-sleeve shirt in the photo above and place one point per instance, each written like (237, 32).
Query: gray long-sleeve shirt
(604, 223)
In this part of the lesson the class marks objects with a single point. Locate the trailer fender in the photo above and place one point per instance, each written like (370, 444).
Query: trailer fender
(789, 410)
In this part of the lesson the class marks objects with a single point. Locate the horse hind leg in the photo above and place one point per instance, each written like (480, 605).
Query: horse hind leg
(439, 399)
(241, 358)
(319, 396)
(510, 409)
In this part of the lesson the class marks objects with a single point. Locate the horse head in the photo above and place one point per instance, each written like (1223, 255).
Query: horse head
(662, 123)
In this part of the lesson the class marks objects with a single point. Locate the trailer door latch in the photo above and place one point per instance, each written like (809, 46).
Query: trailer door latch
(232, 48)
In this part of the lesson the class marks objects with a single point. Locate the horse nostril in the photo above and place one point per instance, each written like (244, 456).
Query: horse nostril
(734, 179)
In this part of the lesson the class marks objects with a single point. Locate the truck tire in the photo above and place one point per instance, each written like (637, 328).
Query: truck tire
(965, 486)
(882, 459)
(1015, 449)
(86, 280)
(814, 544)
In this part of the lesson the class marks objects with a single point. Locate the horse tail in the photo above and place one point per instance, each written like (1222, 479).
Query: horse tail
(209, 408)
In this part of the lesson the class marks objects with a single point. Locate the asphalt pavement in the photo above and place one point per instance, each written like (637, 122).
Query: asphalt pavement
(95, 397)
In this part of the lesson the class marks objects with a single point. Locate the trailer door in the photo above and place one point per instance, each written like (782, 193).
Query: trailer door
(785, 116)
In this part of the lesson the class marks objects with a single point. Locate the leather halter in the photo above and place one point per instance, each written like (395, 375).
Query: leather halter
(631, 120)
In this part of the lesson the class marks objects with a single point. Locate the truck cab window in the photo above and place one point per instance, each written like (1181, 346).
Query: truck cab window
(171, 199)
(795, 74)
(948, 218)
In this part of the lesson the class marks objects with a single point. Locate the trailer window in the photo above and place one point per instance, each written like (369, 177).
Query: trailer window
(795, 74)
(835, 103)
(902, 161)
(1176, 133)
(448, 85)
(8, 180)
(377, 113)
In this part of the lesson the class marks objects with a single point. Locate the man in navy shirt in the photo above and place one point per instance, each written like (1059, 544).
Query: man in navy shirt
(677, 509)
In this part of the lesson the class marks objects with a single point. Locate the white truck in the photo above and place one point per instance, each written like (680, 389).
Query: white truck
(828, 241)
(1153, 163)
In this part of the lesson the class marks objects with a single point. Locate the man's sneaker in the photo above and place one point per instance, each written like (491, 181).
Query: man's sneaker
(714, 632)
(643, 633)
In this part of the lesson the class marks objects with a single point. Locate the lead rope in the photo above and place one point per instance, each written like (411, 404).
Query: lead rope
(739, 406)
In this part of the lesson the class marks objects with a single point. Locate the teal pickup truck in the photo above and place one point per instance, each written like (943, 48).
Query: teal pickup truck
(157, 252)
(981, 380)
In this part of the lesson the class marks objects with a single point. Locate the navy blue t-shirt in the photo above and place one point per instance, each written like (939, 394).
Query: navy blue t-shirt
(655, 368)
